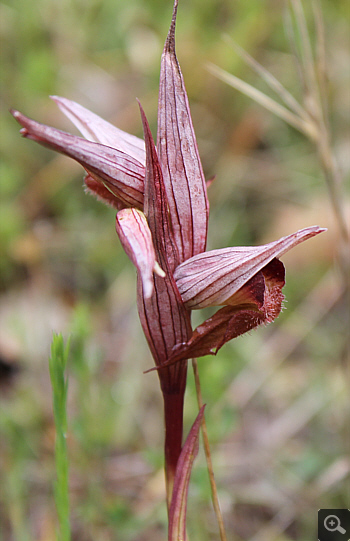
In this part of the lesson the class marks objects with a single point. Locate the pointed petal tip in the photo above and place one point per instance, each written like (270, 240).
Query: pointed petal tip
(145, 123)
(56, 99)
(143, 114)
(17, 115)
(21, 118)
(170, 40)
(61, 101)
(306, 233)
(317, 228)
(178, 155)
(173, 19)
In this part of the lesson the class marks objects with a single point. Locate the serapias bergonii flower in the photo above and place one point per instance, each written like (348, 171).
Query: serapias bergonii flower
(161, 197)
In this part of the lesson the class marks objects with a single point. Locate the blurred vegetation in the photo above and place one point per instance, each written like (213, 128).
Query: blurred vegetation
(277, 404)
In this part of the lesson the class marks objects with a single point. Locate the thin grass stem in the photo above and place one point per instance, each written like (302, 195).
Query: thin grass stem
(292, 40)
(314, 124)
(269, 79)
(306, 52)
(59, 383)
(214, 492)
(321, 63)
(271, 105)
(314, 77)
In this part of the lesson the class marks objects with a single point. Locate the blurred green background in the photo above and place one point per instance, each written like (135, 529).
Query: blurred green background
(277, 405)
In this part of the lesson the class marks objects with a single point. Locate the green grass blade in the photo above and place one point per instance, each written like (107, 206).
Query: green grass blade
(59, 383)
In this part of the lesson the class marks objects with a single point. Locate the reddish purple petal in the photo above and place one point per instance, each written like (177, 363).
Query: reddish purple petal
(136, 238)
(179, 157)
(232, 321)
(261, 302)
(226, 324)
(178, 507)
(156, 202)
(94, 128)
(164, 318)
(212, 278)
(119, 173)
(165, 325)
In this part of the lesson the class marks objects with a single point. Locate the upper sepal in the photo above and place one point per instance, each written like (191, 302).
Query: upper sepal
(179, 157)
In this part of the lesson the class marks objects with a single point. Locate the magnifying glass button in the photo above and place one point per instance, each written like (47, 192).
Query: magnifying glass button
(332, 524)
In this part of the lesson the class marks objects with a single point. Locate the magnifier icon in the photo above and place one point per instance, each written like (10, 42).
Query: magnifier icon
(332, 524)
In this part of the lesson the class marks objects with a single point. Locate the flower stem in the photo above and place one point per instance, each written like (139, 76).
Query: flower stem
(173, 417)
(214, 492)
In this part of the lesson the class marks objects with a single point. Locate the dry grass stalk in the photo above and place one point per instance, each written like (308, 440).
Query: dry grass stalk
(311, 117)
(206, 445)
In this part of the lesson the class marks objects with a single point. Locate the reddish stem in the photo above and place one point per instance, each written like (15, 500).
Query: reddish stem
(173, 417)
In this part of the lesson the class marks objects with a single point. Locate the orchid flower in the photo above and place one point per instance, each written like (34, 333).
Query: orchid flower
(161, 197)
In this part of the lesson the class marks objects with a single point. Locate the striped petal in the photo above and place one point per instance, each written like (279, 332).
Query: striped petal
(136, 238)
(215, 278)
(179, 158)
(164, 318)
(261, 305)
(94, 128)
(120, 174)
(258, 302)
